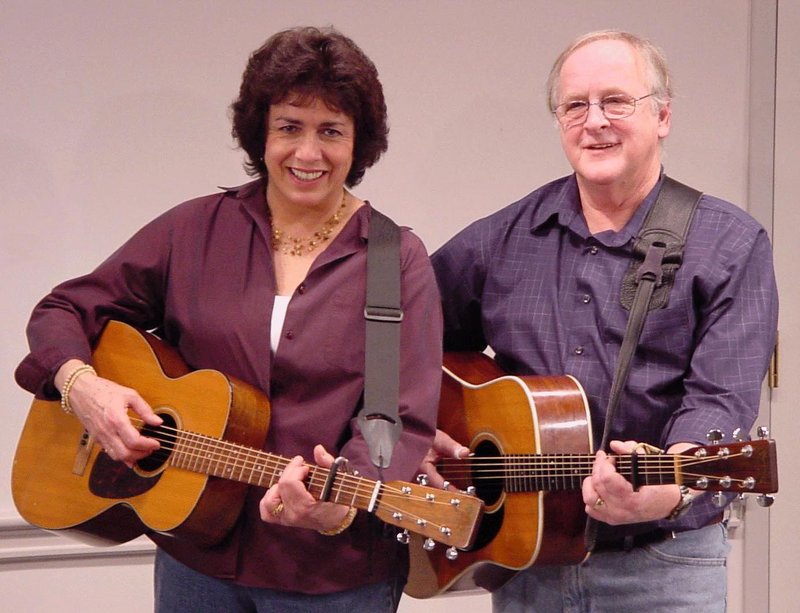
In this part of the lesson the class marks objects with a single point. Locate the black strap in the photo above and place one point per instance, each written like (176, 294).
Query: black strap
(379, 419)
(667, 222)
(658, 253)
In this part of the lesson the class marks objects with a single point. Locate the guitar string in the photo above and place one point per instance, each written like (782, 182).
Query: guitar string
(256, 461)
(516, 467)
(280, 462)
(553, 466)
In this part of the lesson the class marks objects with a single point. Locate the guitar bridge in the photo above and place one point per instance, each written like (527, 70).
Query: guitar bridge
(82, 454)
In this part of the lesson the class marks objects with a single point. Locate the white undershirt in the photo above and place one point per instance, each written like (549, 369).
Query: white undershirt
(278, 316)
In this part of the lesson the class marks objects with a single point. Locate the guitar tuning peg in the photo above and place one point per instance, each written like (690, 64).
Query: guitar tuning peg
(763, 432)
(718, 499)
(764, 500)
(445, 485)
(451, 553)
(403, 537)
(422, 479)
(714, 435)
(429, 544)
(471, 491)
(737, 435)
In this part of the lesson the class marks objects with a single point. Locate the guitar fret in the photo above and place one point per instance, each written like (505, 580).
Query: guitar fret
(256, 473)
(176, 456)
(258, 470)
(200, 459)
(230, 467)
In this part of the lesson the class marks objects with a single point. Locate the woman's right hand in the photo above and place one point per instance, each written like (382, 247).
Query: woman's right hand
(102, 407)
(444, 446)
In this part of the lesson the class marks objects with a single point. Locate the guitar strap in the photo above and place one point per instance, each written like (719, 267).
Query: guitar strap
(658, 253)
(379, 420)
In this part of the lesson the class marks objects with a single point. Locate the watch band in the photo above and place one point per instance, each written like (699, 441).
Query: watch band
(687, 498)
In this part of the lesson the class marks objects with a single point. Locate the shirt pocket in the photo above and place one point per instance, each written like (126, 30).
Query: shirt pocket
(667, 331)
(344, 331)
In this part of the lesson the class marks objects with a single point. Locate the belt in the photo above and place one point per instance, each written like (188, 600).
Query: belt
(626, 543)
(659, 535)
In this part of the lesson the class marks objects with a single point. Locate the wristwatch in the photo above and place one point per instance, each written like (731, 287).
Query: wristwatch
(687, 498)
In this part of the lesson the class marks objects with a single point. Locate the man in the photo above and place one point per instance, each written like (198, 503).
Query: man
(539, 282)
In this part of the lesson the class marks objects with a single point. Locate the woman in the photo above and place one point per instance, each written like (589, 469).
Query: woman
(266, 282)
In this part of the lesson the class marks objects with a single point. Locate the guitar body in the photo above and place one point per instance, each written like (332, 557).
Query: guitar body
(62, 480)
(506, 415)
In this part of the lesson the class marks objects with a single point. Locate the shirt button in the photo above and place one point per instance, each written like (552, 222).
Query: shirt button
(289, 335)
(586, 299)
(578, 350)
(301, 289)
(593, 250)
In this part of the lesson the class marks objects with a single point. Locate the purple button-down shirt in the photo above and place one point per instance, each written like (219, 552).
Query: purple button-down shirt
(535, 285)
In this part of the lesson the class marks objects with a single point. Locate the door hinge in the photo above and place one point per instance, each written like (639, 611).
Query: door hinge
(772, 373)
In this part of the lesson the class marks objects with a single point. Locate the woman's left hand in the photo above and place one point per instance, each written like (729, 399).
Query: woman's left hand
(289, 502)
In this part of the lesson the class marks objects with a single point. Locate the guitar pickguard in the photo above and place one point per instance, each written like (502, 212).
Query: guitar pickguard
(113, 480)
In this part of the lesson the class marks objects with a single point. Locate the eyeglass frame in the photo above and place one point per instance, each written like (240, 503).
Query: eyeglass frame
(599, 104)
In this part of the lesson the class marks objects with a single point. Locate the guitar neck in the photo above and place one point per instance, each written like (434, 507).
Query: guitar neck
(556, 472)
(749, 466)
(567, 472)
(219, 458)
(442, 516)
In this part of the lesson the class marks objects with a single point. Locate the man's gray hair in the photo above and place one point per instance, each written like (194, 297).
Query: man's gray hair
(655, 65)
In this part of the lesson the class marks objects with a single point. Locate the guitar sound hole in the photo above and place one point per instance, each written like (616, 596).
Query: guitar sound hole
(487, 477)
(165, 434)
(113, 480)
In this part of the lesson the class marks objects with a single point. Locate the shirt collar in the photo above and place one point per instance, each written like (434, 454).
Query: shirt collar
(564, 207)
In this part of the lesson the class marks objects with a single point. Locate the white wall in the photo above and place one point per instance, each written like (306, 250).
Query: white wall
(114, 111)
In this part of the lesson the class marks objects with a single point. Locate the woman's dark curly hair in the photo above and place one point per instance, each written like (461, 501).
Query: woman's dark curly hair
(311, 63)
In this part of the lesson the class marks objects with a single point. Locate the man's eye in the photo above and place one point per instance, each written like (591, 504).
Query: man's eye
(575, 106)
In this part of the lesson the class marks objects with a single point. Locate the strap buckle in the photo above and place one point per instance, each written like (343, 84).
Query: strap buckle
(382, 313)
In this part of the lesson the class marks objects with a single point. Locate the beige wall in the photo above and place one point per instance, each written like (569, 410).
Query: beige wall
(113, 112)
(784, 536)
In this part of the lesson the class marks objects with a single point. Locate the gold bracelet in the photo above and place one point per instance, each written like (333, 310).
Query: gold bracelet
(348, 519)
(69, 382)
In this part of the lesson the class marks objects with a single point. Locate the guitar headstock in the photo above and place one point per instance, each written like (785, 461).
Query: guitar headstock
(447, 517)
(749, 467)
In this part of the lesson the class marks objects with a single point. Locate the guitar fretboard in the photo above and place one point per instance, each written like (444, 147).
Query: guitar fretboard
(741, 466)
(219, 458)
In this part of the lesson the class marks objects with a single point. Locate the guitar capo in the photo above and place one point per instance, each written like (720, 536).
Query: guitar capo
(646, 449)
(338, 463)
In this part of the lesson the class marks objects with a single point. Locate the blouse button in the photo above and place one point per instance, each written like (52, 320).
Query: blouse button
(578, 350)
(586, 299)
(290, 335)
(593, 250)
(301, 289)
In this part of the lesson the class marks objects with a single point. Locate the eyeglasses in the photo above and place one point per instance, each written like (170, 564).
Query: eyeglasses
(617, 106)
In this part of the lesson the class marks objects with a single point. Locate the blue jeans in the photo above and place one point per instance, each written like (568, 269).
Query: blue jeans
(682, 574)
(180, 589)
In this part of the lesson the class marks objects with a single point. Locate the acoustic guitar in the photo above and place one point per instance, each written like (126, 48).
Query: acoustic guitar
(194, 486)
(532, 447)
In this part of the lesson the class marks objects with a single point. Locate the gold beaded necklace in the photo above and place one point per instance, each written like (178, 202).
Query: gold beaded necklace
(295, 245)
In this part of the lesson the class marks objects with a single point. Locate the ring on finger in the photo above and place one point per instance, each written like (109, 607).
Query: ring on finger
(599, 502)
(276, 512)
